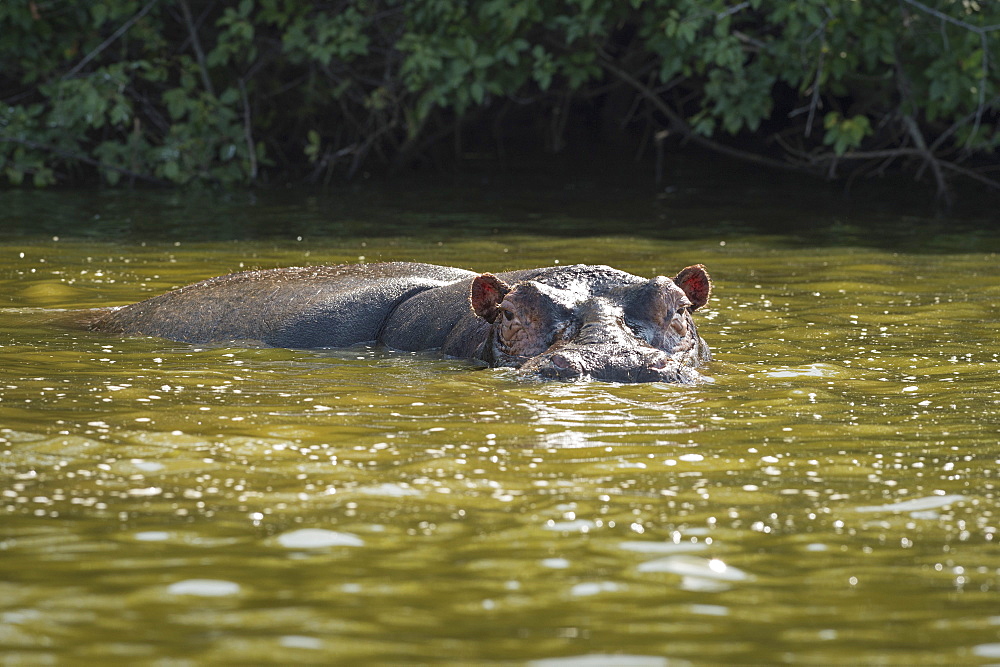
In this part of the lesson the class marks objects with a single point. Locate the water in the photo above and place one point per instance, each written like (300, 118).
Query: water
(830, 499)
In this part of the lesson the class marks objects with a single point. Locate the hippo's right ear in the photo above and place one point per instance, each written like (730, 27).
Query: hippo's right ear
(696, 283)
(488, 292)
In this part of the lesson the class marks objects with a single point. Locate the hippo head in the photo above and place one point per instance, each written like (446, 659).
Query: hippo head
(593, 322)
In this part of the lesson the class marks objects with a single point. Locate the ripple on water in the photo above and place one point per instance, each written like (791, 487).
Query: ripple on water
(152, 536)
(589, 588)
(915, 504)
(697, 574)
(301, 641)
(708, 568)
(663, 547)
(607, 660)
(809, 370)
(389, 490)
(987, 650)
(206, 588)
(318, 538)
(574, 526)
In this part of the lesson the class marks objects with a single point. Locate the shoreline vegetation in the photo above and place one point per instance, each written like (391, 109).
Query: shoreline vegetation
(263, 91)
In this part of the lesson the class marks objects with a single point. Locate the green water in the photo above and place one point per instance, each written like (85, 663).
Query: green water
(830, 499)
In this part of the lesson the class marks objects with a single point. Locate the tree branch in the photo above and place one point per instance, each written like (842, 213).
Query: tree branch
(892, 153)
(110, 40)
(950, 19)
(679, 125)
(943, 192)
(196, 45)
(248, 132)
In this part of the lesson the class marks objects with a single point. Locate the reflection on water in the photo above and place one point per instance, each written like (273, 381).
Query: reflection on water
(830, 498)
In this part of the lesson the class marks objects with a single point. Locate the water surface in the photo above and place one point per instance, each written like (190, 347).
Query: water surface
(831, 498)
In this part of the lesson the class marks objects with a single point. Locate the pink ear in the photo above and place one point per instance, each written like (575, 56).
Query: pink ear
(696, 283)
(487, 293)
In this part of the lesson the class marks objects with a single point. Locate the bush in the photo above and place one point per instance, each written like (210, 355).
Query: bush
(235, 93)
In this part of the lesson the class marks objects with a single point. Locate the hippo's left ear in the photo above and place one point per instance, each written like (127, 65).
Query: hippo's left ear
(488, 292)
(696, 283)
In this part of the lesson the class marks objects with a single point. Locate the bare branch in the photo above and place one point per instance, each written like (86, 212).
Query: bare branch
(248, 132)
(959, 123)
(894, 153)
(974, 175)
(814, 103)
(198, 51)
(950, 19)
(735, 9)
(679, 125)
(943, 192)
(110, 40)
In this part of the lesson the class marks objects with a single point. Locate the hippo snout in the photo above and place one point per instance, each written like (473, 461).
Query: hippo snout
(558, 366)
(617, 366)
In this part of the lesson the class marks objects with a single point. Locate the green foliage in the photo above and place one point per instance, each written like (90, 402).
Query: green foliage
(843, 133)
(190, 92)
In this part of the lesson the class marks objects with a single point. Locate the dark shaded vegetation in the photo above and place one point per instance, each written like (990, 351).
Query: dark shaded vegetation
(264, 90)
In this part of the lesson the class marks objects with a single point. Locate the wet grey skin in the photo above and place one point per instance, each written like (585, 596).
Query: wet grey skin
(558, 323)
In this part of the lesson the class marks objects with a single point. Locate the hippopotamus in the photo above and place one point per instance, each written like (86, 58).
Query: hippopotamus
(559, 322)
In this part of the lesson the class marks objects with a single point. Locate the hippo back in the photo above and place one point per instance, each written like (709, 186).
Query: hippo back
(296, 307)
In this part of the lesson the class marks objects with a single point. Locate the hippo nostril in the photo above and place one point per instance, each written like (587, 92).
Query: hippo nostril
(560, 361)
(558, 367)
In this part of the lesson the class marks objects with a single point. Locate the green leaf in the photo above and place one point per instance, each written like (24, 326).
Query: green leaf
(172, 171)
(98, 14)
(477, 91)
(845, 133)
(15, 175)
(177, 102)
(229, 96)
(313, 146)
(544, 68)
(42, 177)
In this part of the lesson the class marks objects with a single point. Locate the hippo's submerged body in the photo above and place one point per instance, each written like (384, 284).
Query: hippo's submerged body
(563, 322)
